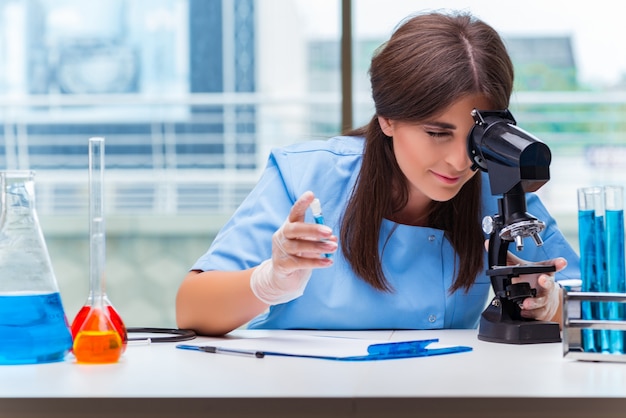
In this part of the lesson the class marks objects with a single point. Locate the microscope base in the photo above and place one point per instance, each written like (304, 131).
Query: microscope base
(519, 331)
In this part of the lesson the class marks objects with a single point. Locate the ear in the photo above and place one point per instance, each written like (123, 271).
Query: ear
(386, 125)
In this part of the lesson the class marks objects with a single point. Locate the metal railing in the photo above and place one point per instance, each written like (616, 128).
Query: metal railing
(202, 153)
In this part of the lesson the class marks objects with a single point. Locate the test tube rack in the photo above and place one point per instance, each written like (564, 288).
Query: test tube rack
(573, 325)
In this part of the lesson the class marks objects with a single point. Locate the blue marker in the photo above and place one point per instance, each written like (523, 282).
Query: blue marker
(316, 208)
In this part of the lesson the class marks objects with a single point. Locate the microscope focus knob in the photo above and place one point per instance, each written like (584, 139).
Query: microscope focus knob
(488, 225)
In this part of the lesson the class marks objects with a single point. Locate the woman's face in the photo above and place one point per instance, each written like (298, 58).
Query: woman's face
(433, 154)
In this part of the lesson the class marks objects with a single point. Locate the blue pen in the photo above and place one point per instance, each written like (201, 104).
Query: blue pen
(316, 208)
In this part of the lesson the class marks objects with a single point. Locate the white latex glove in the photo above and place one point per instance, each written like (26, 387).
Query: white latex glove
(297, 248)
(545, 305)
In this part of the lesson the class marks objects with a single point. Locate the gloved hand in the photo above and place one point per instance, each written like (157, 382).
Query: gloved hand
(297, 248)
(545, 305)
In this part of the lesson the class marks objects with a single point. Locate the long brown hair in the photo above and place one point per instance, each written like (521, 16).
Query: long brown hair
(430, 61)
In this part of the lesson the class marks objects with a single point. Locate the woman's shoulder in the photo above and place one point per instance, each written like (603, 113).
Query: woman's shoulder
(328, 167)
(340, 155)
(335, 146)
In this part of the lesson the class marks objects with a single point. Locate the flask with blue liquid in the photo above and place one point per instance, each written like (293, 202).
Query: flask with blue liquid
(33, 324)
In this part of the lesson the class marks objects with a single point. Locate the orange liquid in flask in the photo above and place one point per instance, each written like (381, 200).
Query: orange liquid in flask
(97, 341)
(115, 318)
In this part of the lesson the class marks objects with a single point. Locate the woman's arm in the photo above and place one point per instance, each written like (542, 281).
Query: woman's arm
(216, 302)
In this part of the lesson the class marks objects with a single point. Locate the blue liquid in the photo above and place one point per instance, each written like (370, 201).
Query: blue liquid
(33, 329)
(591, 234)
(587, 241)
(319, 219)
(602, 284)
(615, 274)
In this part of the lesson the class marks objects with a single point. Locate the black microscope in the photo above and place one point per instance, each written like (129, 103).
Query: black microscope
(517, 163)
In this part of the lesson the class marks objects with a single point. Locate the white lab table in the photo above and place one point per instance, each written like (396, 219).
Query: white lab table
(492, 380)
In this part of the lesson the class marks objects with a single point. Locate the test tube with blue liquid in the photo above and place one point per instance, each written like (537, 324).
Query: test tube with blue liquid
(591, 241)
(614, 241)
(601, 237)
(600, 254)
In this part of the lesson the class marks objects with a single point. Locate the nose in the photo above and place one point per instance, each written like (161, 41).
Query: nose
(457, 156)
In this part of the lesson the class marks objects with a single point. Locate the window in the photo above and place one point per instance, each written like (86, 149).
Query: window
(190, 95)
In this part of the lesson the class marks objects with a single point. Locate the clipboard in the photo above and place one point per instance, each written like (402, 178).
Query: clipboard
(376, 351)
(388, 351)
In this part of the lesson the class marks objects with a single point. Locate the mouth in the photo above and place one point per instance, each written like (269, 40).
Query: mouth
(447, 179)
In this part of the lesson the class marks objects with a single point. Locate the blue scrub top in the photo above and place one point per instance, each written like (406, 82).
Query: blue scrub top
(418, 262)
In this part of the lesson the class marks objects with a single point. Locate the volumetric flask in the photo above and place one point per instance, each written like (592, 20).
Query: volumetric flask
(33, 325)
(614, 242)
(114, 316)
(99, 333)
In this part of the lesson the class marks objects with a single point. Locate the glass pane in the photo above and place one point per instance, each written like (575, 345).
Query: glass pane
(190, 95)
(569, 88)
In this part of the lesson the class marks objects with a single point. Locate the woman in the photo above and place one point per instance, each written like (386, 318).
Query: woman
(402, 207)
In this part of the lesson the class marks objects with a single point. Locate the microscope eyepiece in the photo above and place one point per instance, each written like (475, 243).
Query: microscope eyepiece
(509, 154)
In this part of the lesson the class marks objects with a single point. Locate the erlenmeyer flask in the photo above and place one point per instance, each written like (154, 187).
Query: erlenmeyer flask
(33, 325)
(99, 332)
